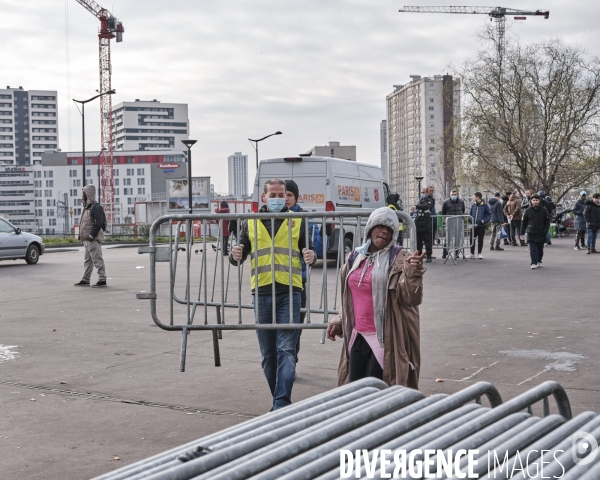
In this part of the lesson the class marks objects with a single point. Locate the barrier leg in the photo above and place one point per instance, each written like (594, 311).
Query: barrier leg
(184, 332)
(216, 348)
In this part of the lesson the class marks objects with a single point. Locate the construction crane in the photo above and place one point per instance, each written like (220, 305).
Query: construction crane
(110, 28)
(496, 13)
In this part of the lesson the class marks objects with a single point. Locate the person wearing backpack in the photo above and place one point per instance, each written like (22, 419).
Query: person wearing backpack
(381, 289)
(92, 225)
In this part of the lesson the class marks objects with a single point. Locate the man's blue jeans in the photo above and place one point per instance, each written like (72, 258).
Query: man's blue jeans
(592, 235)
(278, 347)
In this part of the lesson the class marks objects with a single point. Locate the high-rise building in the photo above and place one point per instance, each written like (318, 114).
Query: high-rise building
(335, 150)
(238, 174)
(383, 147)
(28, 125)
(149, 125)
(422, 123)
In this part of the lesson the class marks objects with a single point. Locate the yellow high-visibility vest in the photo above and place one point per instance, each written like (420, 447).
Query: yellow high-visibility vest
(393, 207)
(280, 251)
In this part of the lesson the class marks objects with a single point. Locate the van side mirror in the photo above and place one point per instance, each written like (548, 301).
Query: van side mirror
(18, 231)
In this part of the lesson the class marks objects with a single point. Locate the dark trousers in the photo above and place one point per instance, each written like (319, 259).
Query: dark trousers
(511, 238)
(479, 235)
(515, 230)
(580, 237)
(225, 246)
(362, 361)
(424, 238)
(536, 250)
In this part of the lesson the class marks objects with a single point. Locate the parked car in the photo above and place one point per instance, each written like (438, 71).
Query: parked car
(16, 244)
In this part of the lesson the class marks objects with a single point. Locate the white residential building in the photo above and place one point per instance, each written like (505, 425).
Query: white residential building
(238, 174)
(149, 125)
(335, 150)
(28, 124)
(422, 122)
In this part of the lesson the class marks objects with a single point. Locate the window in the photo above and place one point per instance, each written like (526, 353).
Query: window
(116, 180)
(430, 108)
(38, 203)
(431, 100)
(40, 223)
(129, 201)
(50, 212)
(127, 181)
(115, 172)
(37, 183)
(117, 200)
(431, 84)
(141, 181)
(140, 171)
(88, 161)
(130, 211)
(52, 221)
(38, 193)
(130, 172)
(116, 191)
(432, 140)
(432, 149)
(50, 183)
(50, 203)
(37, 174)
(141, 191)
(47, 193)
(430, 117)
(77, 183)
(88, 173)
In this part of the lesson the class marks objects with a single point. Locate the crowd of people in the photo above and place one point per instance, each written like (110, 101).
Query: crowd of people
(512, 221)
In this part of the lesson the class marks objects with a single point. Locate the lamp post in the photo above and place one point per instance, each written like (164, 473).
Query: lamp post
(83, 102)
(419, 178)
(99, 177)
(189, 144)
(255, 146)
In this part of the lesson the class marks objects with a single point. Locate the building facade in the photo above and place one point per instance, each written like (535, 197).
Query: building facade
(335, 150)
(28, 125)
(422, 125)
(238, 174)
(383, 147)
(149, 125)
(45, 197)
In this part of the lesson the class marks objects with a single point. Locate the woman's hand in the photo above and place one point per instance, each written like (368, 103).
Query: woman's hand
(415, 259)
(334, 330)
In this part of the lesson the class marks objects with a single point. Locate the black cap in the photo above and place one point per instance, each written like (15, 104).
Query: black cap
(291, 186)
(224, 204)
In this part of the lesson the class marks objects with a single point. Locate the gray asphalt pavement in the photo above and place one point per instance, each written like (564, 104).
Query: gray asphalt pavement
(88, 383)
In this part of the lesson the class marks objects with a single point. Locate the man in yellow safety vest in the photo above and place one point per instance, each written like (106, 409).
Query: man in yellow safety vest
(267, 243)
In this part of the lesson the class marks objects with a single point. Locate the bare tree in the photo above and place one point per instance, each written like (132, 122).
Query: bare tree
(530, 117)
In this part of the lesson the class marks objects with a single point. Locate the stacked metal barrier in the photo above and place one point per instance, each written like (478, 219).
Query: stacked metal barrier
(227, 288)
(304, 440)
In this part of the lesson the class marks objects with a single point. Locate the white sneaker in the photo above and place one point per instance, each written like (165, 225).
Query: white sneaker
(534, 266)
(480, 256)
(470, 256)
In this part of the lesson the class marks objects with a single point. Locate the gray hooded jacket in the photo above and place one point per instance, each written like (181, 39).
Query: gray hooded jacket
(92, 217)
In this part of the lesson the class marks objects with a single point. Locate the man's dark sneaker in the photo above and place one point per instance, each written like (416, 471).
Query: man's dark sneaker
(492, 247)
(81, 283)
(99, 283)
(499, 248)
(428, 260)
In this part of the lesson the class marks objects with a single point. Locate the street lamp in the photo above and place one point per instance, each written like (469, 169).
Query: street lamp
(189, 144)
(255, 146)
(419, 178)
(99, 177)
(83, 102)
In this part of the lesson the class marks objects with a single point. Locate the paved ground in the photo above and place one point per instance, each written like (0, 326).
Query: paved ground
(85, 376)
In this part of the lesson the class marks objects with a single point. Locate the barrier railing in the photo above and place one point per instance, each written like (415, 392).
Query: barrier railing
(188, 296)
(453, 234)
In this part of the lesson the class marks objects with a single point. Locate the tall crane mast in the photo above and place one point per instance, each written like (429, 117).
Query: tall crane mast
(496, 13)
(110, 28)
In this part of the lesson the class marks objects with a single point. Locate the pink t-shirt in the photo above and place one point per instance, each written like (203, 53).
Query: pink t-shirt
(362, 298)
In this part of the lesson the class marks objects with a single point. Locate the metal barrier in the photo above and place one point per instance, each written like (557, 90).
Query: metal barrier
(453, 234)
(180, 292)
(304, 440)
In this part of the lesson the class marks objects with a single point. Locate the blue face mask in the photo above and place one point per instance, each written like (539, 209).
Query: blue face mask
(276, 204)
(422, 195)
(453, 198)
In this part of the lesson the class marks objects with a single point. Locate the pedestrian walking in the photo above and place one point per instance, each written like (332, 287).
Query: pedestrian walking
(423, 222)
(394, 202)
(292, 192)
(452, 206)
(496, 221)
(277, 347)
(536, 223)
(550, 206)
(592, 221)
(481, 214)
(514, 214)
(382, 288)
(579, 223)
(505, 198)
(225, 233)
(92, 225)
(526, 203)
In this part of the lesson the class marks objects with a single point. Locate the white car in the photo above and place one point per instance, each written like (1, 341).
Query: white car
(16, 244)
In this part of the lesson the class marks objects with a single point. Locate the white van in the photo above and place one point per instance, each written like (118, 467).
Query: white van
(327, 184)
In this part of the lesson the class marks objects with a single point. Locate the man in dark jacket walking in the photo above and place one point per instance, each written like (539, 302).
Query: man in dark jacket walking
(480, 211)
(496, 221)
(452, 206)
(423, 222)
(579, 223)
(536, 223)
(592, 221)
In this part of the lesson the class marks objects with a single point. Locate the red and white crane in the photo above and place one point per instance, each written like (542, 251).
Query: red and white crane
(110, 28)
(496, 13)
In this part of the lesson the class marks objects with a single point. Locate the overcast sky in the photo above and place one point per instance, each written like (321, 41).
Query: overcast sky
(317, 70)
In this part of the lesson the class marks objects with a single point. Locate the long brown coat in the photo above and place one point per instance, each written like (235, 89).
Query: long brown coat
(401, 337)
(513, 207)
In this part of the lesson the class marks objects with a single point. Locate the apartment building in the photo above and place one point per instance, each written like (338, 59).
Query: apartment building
(28, 124)
(422, 125)
(149, 125)
(383, 147)
(238, 174)
(335, 150)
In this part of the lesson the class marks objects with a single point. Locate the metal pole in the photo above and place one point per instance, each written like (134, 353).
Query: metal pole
(190, 178)
(83, 143)
(256, 149)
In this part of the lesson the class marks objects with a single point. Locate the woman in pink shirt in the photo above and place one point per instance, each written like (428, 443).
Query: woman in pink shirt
(379, 319)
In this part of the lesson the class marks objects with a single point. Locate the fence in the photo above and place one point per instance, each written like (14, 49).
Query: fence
(452, 233)
(305, 439)
(193, 293)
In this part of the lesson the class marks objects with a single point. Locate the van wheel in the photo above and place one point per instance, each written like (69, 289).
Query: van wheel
(33, 255)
